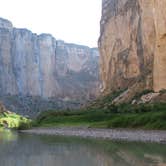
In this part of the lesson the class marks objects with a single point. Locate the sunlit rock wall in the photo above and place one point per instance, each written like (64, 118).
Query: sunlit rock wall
(132, 44)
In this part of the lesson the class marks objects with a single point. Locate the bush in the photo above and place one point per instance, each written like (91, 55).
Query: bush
(24, 126)
(162, 91)
(144, 92)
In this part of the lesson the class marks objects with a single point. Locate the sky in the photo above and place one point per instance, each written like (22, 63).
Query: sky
(74, 21)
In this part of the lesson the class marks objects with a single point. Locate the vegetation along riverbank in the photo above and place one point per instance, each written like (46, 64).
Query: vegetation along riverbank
(103, 114)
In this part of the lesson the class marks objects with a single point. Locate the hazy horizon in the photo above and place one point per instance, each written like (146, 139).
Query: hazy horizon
(74, 21)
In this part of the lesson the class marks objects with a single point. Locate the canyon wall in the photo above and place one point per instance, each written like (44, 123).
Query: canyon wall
(34, 65)
(132, 45)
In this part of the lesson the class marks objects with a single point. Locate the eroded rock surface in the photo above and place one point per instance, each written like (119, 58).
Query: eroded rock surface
(132, 44)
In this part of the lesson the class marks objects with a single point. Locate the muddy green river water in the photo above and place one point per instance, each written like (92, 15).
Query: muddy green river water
(31, 150)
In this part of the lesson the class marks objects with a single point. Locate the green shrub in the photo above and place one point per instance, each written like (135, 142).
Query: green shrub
(24, 126)
(144, 92)
(162, 91)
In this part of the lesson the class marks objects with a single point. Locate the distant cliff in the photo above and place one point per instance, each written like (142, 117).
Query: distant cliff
(133, 45)
(34, 65)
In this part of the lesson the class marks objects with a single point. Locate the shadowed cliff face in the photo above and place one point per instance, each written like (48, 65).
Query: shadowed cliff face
(132, 44)
(39, 65)
(77, 70)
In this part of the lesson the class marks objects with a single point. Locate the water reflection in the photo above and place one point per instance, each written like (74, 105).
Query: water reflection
(6, 135)
(28, 150)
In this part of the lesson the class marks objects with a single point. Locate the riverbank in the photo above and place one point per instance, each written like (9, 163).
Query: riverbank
(148, 117)
(110, 134)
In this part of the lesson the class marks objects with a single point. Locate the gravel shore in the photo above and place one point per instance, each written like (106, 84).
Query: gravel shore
(111, 134)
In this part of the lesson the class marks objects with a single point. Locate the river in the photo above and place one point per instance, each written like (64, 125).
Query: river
(35, 150)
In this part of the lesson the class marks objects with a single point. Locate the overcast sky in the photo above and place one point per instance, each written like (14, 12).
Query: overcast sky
(75, 21)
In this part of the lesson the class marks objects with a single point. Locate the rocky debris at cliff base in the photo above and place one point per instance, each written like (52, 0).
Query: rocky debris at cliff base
(151, 97)
(34, 105)
(147, 98)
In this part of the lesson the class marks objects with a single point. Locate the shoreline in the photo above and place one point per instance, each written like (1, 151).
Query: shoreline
(156, 136)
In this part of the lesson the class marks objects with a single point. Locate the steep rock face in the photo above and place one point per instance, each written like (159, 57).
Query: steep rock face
(77, 71)
(27, 63)
(132, 44)
(2, 108)
(159, 73)
(39, 65)
(29, 55)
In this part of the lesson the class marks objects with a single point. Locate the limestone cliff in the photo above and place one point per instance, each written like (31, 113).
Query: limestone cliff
(34, 65)
(77, 71)
(132, 45)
